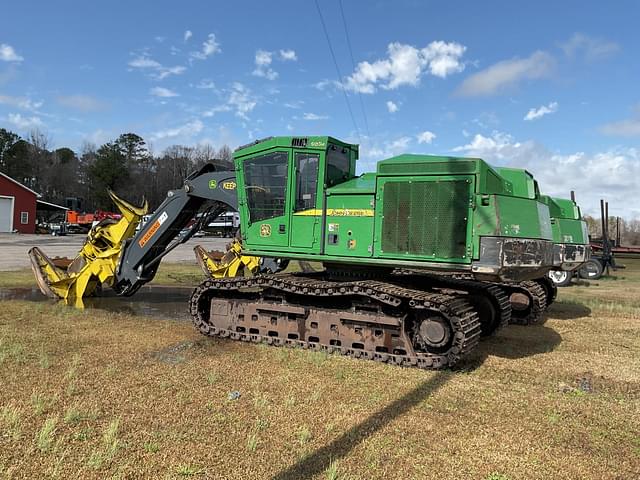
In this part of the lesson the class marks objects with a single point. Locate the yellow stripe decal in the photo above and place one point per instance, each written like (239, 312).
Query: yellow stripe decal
(338, 212)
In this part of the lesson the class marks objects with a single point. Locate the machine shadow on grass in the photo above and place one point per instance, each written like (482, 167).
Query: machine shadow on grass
(318, 461)
(513, 342)
(566, 310)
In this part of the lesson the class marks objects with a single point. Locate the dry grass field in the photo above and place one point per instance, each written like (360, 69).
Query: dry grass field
(94, 394)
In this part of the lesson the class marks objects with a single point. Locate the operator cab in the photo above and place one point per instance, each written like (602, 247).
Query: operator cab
(281, 185)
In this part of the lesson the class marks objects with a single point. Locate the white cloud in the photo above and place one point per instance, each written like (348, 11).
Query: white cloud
(158, 71)
(83, 103)
(486, 120)
(322, 84)
(294, 105)
(144, 62)
(426, 137)
(8, 54)
(212, 111)
(591, 49)
(399, 145)
(22, 103)
(99, 136)
(392, 107)
(163, 92)
(494, 145)
(206, 84)
(187, 35)
(263, 61)
(241, 100)
(24, 122)
(314, 116)
(535, 113)
(444, 58)
(371, 151)
(405, 65)
(209, 47)
(623, 128)
(507, 74)
(189, 129)
(263, 58)
(611, 174)
(288, 55)
(166, 71)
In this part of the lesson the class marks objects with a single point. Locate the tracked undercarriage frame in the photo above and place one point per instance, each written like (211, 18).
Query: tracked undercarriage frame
(365, 319)
(499, 304)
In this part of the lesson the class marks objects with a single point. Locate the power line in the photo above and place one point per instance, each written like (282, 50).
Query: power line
(335, 63)
(353, 63)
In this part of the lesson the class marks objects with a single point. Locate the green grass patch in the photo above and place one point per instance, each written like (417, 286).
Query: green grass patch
(41, 403)
(186, 470)
(46, 435)
(11, 421)
(109, 446)
(17, 278)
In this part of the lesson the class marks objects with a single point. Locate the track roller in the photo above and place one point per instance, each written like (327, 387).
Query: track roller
(528, 302)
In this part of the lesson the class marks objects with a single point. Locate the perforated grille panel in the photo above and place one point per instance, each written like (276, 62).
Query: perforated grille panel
(426, 218)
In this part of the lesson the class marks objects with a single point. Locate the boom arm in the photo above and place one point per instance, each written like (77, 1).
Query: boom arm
(165, 230)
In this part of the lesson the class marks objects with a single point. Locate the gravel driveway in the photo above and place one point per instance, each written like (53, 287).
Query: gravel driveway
(14, 248)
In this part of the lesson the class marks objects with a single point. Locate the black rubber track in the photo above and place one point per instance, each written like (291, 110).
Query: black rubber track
(478, 293)
(464, 319)
(537, 295)
(550, 288)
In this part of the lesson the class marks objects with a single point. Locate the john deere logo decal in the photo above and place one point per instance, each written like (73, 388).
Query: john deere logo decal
(212, 184)
(265, 230)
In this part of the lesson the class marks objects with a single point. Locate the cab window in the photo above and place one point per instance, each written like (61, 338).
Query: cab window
(306, 181)
(265, 179)
(338, 163)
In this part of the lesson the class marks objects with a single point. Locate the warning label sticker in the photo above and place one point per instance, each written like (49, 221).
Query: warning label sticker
(151, 231)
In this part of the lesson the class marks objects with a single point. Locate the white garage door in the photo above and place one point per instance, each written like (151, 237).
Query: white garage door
(6, 214)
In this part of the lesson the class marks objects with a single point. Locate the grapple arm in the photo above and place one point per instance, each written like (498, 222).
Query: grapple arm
(168, 226)
(114, 254)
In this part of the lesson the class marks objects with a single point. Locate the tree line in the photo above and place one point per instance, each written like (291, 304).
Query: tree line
(629, 229)
(125, 165)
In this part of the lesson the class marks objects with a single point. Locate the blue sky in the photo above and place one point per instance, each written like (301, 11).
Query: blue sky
(549, 86)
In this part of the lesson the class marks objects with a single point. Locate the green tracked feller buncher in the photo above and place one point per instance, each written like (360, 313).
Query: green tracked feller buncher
(420, 257)
(571, 249)
(571, 245)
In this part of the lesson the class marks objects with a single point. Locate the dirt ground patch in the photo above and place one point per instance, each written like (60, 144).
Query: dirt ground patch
(94, 394)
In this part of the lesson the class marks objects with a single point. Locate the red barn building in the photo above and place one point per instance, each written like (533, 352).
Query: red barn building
(17, 206)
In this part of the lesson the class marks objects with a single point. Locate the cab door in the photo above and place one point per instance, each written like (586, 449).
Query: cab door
(266, 199)
(306, 201)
